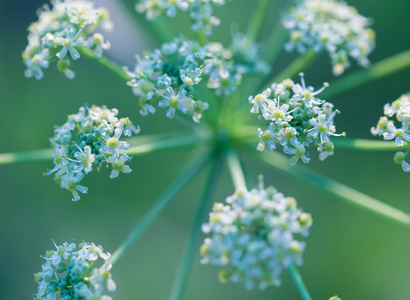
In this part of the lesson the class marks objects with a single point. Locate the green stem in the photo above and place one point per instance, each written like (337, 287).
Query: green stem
(201, 37)
(158, 143)
(366, 145)
(106, 62)
(297, 66)
(378, 70)
(161, 30)
(146, 144)
(333, 187)
(89, 269)
(26, 156)
(193, 167)
(190, 248)
(157, 30)
(257, 20)
(298, 281)
(235, 169)
(274, 44)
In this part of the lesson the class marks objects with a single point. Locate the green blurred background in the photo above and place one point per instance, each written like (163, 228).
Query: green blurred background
(350, 252)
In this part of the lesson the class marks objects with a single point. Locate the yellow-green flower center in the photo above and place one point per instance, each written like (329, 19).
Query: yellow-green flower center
(173, 102)
(113, 142)
(118, 165)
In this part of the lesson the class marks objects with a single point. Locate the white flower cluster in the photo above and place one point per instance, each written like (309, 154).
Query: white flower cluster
(332, 25)
(297, 119)
(69, 273)
(246, 56)
(60, 31)
(90, 137)
(200, 11)
(252, 236)
(399, 110)
(169, 75)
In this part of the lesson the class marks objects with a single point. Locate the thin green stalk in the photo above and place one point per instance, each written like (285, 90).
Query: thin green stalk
(201, 37)
(378, 70)
(274, 44)
(278, 36)
(298, 281)
(158, 143)
(235, 169)
(145, 144)
(157, 30)
(333, 187)
(193, 167)
(366, 145)
(106, 62)
(191, 246)
(297, 66)
(26, 156)
(257, 20)
(161, 30)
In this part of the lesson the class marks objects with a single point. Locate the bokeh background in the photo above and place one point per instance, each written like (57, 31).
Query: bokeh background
(350, 252)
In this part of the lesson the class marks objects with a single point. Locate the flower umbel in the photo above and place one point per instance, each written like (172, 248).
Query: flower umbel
(60, 30)
(69, 272)
(175, 71)
(331, 25)
(200, 11)
(92, 137)
(397, 112)
(297, 118)
(252, 236)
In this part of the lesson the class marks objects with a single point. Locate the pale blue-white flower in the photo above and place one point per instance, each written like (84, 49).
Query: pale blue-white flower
(252, 236)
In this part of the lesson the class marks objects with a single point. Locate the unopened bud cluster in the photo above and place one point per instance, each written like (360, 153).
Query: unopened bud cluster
(252, 236)
(169, 76)
(297, 119)
(397, 112)
(331, 25)
(70, 272)
(200, 11)
(60, 31)
(92, 137)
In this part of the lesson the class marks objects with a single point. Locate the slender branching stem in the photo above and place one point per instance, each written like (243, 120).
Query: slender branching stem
(201, 37)
(157, 30)
(106, 62)
(376, 71)
(143, 145)
(26, 156)
(191, 246)
(298, 281)
(367, 145)
(274, 44)
(278, 35)
(235, 169)
(335, 188)
(161, 30)
(158, 143)
(193, 167)
(257, 20)
(297, 66)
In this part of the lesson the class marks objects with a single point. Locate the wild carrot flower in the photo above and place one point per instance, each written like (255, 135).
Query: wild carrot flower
(60, 31)
(178, 67)
(252, 236)
(331, 25)
(200, 11)
(396, 112)
(92, 137)
(296, 118)
(69, 272)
